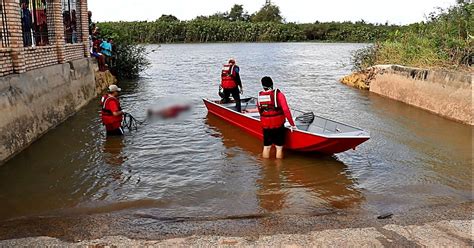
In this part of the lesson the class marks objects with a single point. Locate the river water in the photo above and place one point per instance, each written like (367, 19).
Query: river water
(198, 165)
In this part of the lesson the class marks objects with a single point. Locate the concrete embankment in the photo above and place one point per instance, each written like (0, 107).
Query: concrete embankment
(448, 94)
(32, 103)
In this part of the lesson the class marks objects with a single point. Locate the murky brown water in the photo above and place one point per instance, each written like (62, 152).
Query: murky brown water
(198, 165)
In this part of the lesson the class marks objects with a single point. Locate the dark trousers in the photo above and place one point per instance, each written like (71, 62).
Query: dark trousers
(236, 95)
(115, 132)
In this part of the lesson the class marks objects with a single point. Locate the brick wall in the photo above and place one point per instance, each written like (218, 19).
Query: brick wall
(40, 56)
(6, 65)
(74, 51)
(17, 59)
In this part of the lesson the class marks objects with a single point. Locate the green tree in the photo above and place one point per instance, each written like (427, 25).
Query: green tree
(219, 16)
(268, 13)
(168, 18)
(131, 59)
(237, 13)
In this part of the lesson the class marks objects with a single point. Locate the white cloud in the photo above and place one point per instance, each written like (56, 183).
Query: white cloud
(302, 11)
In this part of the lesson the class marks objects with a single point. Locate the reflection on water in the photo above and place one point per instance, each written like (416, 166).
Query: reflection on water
(198, 165)
(113, 147)
(113, 155)
(271, 194)
(297, 184)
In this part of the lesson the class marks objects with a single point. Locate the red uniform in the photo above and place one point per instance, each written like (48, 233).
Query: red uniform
(110, 104)
(228, 77)
(273, 109)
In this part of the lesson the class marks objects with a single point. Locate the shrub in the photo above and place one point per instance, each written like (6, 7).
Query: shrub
(444, 40)
(364, 57)
(131, 59)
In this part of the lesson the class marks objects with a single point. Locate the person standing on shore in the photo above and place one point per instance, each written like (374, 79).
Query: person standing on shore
(230, 83)
(106, 46)
(112, 113)
(273, 110)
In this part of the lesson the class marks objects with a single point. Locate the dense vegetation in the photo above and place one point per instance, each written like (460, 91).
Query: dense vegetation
(446, 40)
(238, 26)
(130, 60)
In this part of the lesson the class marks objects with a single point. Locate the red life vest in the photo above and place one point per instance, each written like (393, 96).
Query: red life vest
(228, 77)
(108, 118)
(271, 114)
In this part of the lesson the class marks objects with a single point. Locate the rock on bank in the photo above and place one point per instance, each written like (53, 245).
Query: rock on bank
(33, 102)
(448, 94)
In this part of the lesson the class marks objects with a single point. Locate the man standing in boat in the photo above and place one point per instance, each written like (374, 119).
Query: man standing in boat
(231, 83)
(273, 110)
(112, 113)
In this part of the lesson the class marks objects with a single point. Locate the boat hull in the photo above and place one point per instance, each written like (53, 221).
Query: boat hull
(297, 140)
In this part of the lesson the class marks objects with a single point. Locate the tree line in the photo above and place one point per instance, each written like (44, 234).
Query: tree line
(445, 39)
(236, 25)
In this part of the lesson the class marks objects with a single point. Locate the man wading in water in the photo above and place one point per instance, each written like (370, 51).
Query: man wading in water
(230, 83)
(112, 113)
(273, 112)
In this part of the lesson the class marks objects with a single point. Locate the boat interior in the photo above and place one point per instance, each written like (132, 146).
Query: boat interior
(305, 121)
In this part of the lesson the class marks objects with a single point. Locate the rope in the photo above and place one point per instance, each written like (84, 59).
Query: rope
(131, 123)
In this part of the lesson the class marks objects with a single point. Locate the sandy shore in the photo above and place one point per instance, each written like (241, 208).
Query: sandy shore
(455, 233)
(435, 226)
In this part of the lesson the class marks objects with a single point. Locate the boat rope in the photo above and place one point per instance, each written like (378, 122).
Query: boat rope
(131, 123)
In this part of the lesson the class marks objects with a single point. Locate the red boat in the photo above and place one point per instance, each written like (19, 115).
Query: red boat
(314, 133)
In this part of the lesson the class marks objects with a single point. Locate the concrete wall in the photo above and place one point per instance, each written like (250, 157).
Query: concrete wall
(31, 103)
(448, 94)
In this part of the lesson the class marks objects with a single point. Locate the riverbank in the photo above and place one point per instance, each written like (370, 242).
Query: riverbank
(454, 233)
(448, 225)
(445, 93)
(37, 101)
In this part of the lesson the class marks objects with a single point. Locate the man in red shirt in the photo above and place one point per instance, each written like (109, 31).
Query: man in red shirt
(274, 111)
(231, 82)
(112, 113)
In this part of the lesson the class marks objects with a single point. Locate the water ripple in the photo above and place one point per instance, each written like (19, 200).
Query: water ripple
(199, 165)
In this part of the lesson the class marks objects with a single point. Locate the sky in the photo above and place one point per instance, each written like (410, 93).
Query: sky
(300, 11)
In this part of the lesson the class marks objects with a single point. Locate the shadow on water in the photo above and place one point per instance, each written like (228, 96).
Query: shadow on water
(298, 184)
(430, 143)
(67, 169)
(53, 173)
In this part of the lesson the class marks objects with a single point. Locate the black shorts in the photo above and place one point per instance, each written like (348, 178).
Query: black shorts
(274, 136)
(116, 132)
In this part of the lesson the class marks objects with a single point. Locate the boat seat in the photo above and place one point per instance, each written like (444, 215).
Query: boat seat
(250, 110)
(254, 115)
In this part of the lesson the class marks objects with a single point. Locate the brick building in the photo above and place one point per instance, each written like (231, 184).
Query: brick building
(40, 33)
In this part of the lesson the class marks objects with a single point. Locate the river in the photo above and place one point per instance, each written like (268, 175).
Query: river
(199, 166)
